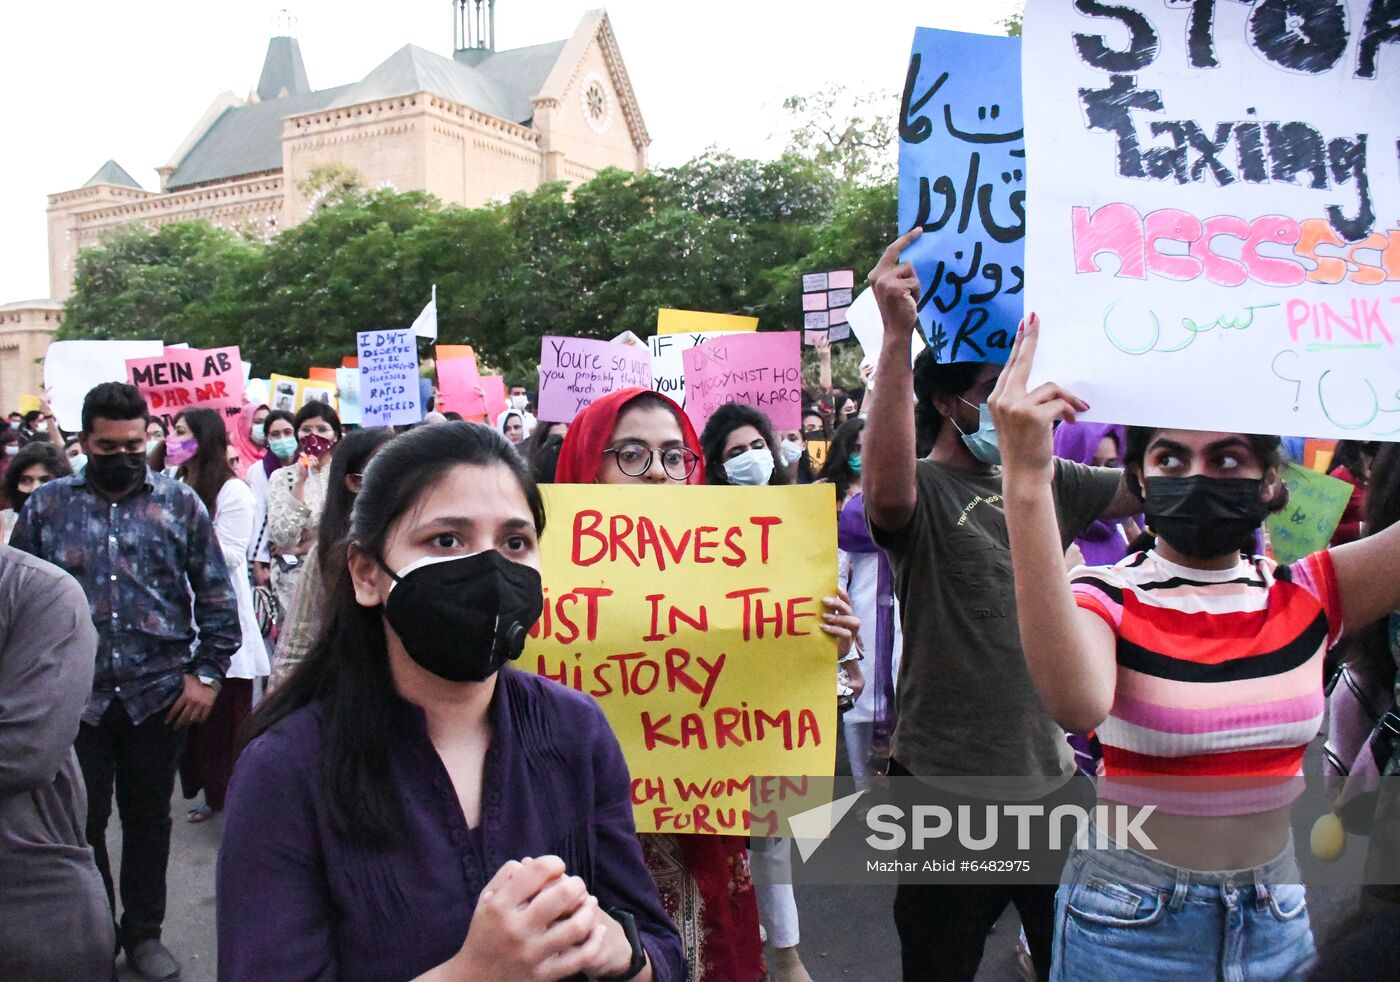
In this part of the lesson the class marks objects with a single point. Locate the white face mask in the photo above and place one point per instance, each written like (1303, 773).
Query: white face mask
(41, 427)
(792, 451)
(752, 468)
(519, 402)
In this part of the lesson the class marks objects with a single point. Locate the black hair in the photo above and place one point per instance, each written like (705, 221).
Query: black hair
(933, 378)
(112, 400)
(274, 416)
(1368, 650)
(316, 409)
(724, 421)
(1352, 455)
(351, 456)
(158, 421)
(208, 470)
(38, 452)
(32, 417)
(837, 468)
(453, 416)
(544, 460)
(816, 411)
(1268, 450)
(347, 668)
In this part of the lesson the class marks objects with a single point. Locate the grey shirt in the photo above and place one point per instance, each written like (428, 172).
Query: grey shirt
(54, 919)
(966, 702)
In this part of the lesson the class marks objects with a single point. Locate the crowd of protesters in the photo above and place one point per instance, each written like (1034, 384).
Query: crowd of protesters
(312, 626)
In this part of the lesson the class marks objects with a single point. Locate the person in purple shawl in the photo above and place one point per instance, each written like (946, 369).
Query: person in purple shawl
(864, 573)
(1098, 445)
(1102, 544)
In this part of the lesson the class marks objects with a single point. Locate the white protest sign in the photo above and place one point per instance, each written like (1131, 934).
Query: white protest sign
(667, 367)
(1212, 240)
(388, 378)
(869, 328)
(72, 368)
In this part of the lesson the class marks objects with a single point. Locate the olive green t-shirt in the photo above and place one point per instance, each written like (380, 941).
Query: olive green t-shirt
(965, 699)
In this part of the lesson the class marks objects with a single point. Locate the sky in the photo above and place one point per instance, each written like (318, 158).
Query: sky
(89, 80)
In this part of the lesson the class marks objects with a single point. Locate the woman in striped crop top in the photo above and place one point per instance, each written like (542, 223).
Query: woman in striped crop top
(1201, 668)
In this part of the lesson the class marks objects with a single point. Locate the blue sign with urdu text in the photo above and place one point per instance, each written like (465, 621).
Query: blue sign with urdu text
(962, 177)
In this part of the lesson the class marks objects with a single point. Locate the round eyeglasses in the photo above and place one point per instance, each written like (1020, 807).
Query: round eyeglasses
(635, 459)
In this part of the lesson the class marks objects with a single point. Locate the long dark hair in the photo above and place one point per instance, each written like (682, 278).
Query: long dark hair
(1368, 651)
(350, 456)
(208, 470)
(347, 668)
(725, 420)
(837, 468)
(50, 457)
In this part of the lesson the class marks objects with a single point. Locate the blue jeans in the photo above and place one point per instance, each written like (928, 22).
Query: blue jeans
(1122, 915)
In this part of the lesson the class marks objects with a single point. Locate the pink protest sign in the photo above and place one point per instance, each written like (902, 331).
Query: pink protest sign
(576, 371)
(188, 378)
(493, 387)
(759, 370)
(459, 385)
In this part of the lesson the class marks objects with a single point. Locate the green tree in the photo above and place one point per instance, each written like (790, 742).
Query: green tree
(156, 283)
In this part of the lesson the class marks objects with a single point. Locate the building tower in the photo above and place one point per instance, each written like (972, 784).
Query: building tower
(474, 26)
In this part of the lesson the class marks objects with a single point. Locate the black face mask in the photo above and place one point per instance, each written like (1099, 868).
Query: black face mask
(1205, 517)
(116, 472)
(463, 618)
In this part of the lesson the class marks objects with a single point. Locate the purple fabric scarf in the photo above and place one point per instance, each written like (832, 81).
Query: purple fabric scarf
(852, 535)
(1101, 543)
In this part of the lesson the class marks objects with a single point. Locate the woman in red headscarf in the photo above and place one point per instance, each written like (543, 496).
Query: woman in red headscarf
(637, 436)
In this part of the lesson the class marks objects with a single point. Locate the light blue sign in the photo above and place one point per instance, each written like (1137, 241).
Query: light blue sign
(962, 177)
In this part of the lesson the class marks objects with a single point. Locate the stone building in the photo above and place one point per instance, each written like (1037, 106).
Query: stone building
(26, 328)
(470, 128)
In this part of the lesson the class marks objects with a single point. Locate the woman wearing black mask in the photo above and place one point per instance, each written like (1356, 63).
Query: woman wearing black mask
(348, 462)
(35, 465)
(409, 807)
(1201, 667)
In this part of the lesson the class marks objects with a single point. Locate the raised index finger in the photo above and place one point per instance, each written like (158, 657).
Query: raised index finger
(890, 256)
(1018, 366)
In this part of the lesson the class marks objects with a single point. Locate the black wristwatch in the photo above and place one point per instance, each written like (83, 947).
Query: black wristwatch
(634, 938)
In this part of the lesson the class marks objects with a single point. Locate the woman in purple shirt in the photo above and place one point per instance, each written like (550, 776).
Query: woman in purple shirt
(382, 820)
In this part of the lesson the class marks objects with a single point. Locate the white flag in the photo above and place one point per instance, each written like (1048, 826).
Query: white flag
(426, 324)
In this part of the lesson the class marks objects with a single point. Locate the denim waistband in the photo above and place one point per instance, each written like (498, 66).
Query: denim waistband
(1130, 866)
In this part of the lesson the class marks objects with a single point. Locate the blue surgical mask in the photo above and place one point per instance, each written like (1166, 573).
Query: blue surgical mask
(259, 434)
(78, 462)
(853, 464)
(982, 444)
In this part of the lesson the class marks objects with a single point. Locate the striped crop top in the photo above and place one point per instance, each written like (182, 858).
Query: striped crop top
(1219, 679)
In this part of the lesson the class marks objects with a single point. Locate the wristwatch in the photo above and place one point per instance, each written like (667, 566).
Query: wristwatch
(634, 938)
(211, 681)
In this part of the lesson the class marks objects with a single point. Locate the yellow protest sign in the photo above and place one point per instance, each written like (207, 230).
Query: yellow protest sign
(692, 614)
(698, 321)
(28, 404)
(290, 394)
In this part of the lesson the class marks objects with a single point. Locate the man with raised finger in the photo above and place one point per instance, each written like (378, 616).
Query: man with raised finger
(966, 705)
(143, 549)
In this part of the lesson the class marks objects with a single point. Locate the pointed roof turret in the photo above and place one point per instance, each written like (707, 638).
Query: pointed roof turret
(283, 72)
(112, 173)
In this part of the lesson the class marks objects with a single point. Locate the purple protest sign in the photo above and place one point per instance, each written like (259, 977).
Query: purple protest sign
(576, 371)
(759, 370)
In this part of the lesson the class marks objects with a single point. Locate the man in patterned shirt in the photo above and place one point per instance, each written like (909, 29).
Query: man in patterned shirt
(143, 548)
